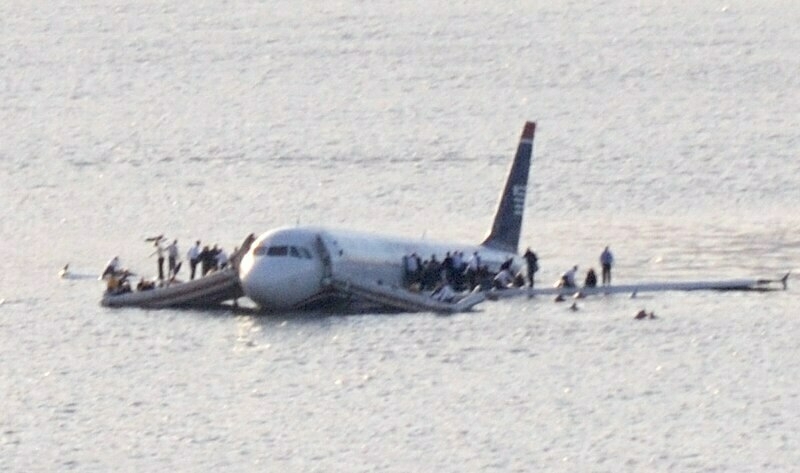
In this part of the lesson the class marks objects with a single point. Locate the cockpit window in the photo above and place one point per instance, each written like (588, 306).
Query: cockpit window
(278, 251)
(293, 251)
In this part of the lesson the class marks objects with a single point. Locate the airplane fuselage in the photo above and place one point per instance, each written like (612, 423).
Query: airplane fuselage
(296, 268)
(288, 268)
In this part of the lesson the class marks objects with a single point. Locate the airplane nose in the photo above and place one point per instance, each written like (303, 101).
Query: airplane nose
(279, 276)
(252, 276)
(273, 283)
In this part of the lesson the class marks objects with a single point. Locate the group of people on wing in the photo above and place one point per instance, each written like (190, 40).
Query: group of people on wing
(568, 279)
(453, 270)
(505, 278)
(455, 273)
(207, 259)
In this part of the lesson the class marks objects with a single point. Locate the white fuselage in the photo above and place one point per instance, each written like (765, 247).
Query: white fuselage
(287, 267)
(297, 268)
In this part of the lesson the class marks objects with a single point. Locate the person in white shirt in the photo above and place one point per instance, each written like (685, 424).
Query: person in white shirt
(458, 261)
(172, 258)
(193, 255)
(222, 258)
(411, 268)
(471, 273)
(474, 262)
(568, 278)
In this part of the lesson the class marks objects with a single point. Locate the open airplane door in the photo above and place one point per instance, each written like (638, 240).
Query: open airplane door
(325, 258)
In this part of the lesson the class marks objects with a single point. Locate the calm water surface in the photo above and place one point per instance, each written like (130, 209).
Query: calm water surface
(668, 131)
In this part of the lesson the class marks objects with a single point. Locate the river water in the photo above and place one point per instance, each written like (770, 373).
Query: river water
(667, 130)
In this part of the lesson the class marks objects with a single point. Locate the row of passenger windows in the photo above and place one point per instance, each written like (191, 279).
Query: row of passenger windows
(293, 251)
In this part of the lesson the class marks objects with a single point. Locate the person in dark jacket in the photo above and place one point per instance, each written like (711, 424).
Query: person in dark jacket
(206, 259)
(533, 264)
(591, 278)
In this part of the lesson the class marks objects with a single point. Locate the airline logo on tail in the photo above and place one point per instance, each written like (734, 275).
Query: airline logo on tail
(507, 225)
(519, 200)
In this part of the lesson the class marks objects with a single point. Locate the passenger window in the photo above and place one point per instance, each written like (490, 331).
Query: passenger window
(294, 252)
(278, 251)
(305, 252)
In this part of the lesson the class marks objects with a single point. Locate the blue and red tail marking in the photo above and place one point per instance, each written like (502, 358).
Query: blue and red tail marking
(507, 224)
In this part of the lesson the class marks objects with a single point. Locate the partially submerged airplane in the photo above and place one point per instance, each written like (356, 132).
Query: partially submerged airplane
(305, 268)
(299, 268)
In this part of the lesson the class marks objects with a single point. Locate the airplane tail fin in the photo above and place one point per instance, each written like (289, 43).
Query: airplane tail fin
(507, 224)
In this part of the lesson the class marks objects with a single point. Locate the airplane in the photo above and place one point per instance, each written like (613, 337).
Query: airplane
(310, 267)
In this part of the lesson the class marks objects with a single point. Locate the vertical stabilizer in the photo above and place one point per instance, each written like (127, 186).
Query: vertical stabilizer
(507, 224)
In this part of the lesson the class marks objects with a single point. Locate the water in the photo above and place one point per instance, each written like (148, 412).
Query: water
(665, 130)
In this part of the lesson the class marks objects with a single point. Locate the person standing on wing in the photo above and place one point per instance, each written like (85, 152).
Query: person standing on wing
(606, 260)
(533, 265)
